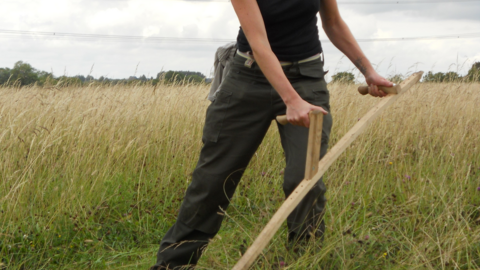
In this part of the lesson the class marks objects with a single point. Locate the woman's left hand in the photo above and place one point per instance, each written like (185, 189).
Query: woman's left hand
(373, 80)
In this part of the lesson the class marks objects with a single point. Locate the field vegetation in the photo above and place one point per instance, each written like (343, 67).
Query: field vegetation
(92, 178)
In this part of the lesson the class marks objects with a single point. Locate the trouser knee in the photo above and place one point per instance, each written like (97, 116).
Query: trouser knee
(206, 199)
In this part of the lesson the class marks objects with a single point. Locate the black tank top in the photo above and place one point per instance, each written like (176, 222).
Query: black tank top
(291, 28)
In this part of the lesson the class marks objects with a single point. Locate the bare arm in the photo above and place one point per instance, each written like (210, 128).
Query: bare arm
(340, 35)
(253, 26)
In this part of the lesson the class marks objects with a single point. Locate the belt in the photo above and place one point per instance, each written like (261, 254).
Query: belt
(250, 60)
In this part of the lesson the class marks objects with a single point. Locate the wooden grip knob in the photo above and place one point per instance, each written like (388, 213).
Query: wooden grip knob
(282, 119)
(363, 90)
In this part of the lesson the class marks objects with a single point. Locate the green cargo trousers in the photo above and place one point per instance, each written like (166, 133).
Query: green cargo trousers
(236, 123)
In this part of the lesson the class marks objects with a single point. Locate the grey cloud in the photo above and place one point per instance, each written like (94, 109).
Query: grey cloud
(458, 11)
(114, 60)
(119, 59)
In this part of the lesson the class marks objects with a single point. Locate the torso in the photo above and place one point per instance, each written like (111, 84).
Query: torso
(291, 28)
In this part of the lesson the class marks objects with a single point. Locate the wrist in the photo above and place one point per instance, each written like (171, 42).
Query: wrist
(291, 98)
(370, 73)
(364, 66)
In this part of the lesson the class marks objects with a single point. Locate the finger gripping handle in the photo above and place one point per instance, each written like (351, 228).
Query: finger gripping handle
(395, 89)
(282, 119)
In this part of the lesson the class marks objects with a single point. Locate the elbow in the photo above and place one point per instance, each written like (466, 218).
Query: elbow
(332, 25)
(260, 48)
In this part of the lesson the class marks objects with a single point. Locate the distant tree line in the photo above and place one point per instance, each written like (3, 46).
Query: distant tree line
(179, 76)
(473, 75)
(24, 74)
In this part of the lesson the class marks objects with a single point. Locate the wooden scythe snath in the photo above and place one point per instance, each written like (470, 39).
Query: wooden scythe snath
(302, 189)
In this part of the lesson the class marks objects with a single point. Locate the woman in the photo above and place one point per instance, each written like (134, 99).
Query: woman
(277, 70)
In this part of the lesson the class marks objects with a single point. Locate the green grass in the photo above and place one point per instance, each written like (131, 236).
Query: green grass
(92, 178)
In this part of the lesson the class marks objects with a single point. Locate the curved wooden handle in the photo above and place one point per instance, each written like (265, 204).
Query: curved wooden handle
(282, 119)
(306, 185)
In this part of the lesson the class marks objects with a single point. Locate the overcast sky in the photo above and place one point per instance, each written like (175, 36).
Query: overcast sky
(121, 58)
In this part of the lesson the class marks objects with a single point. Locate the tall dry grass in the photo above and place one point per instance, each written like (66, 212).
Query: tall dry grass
(93, 177)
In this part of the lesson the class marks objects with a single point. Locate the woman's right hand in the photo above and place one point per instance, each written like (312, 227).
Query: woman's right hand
(297, 112)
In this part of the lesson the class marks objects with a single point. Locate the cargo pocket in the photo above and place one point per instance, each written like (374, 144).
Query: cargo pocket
(312, 69)
(314, 84)
(322, 95)
(215, 116)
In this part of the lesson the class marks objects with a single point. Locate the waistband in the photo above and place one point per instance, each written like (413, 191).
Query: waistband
(250, 59)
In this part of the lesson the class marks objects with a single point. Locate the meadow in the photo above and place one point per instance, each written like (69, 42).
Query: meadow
(92, 178)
